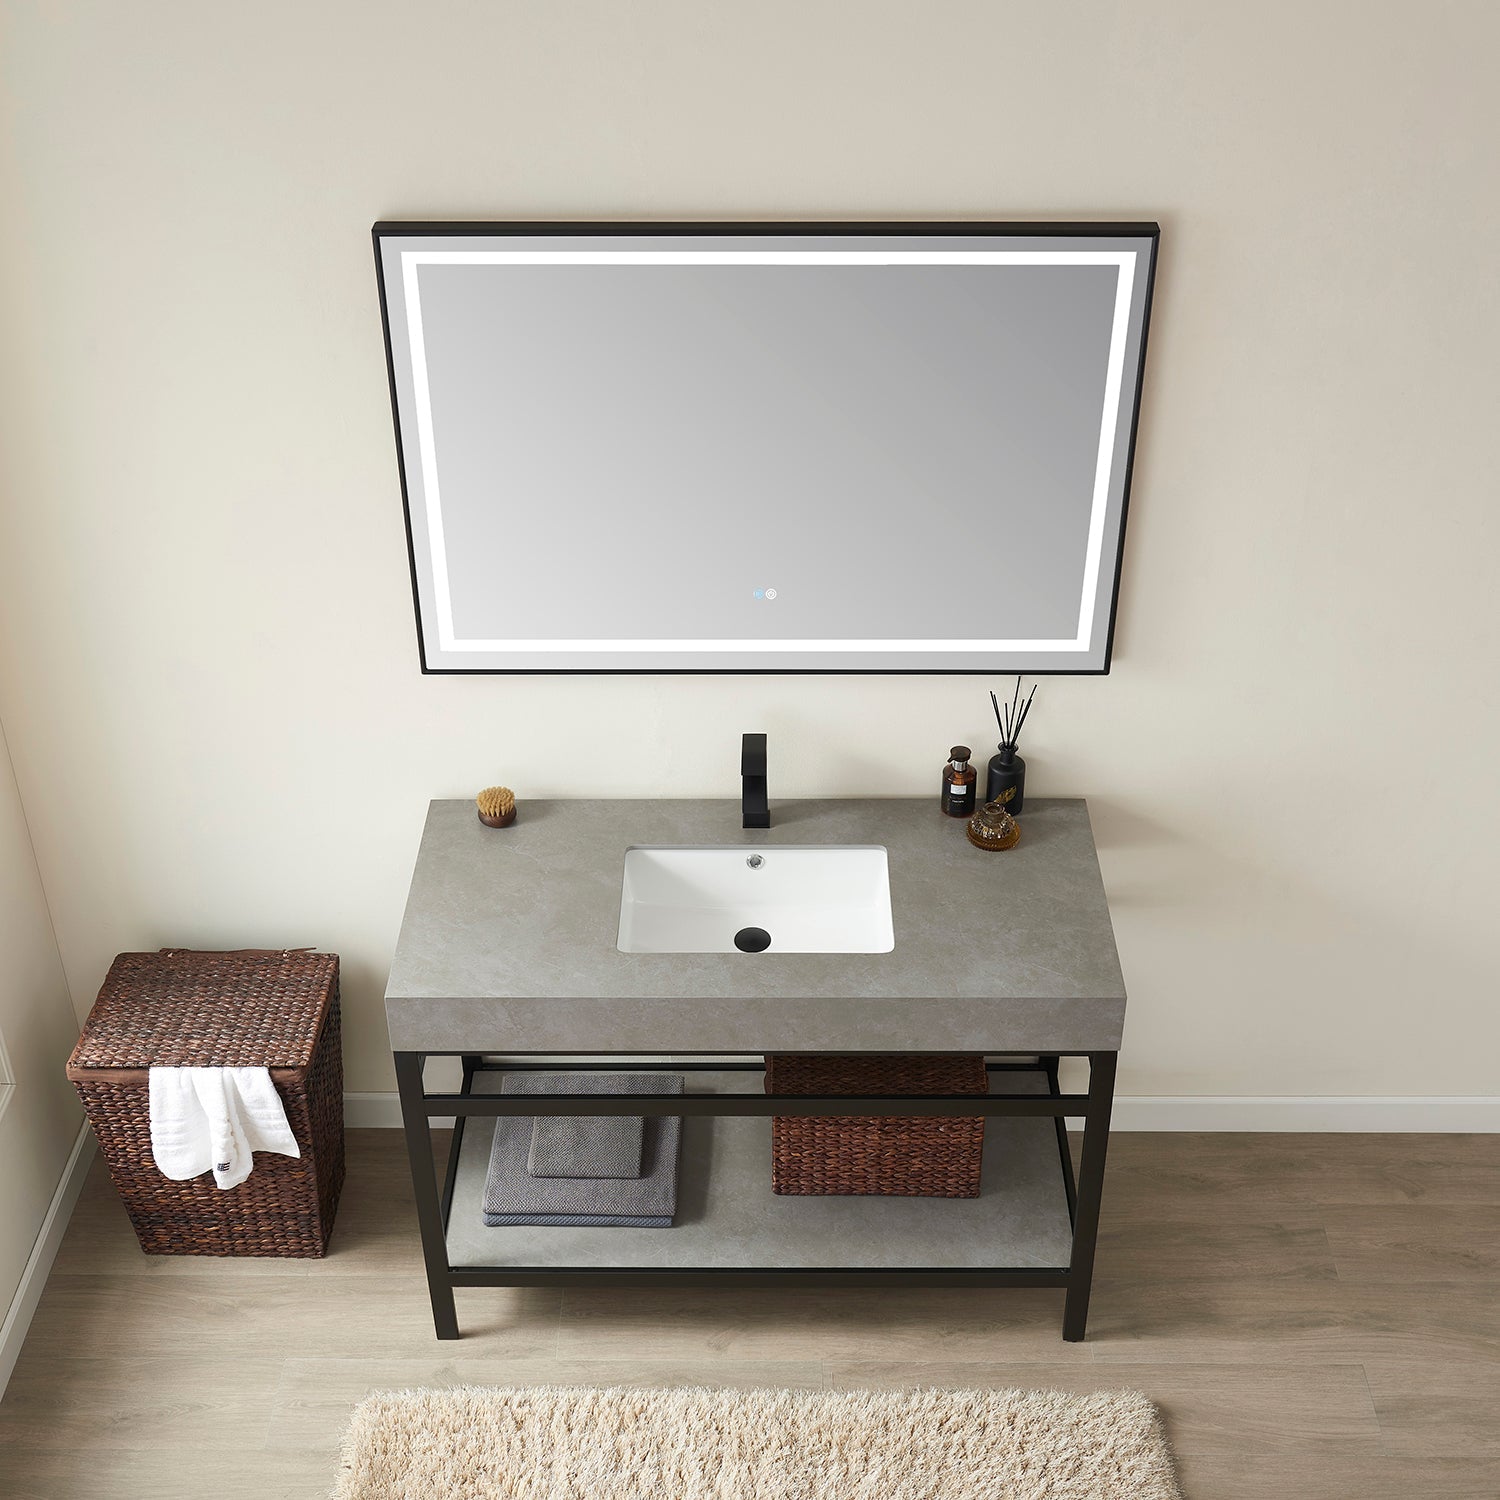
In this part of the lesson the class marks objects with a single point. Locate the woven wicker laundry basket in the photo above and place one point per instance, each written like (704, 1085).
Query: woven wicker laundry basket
(277, 1009)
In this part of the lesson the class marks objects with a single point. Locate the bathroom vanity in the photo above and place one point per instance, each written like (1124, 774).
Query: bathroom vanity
(511, 958)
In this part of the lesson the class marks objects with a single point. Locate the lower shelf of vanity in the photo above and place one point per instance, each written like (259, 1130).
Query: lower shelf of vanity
(729, 1219)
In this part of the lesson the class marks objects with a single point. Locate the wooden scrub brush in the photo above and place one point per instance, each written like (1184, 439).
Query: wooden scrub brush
(497, 806)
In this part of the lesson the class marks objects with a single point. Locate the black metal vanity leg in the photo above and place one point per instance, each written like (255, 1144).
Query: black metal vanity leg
(1090, 1191)
(418, 1130)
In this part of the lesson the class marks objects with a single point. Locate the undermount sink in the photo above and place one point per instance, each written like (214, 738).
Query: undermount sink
(784, 899)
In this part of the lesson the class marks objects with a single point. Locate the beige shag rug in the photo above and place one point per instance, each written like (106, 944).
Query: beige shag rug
(546, 1443)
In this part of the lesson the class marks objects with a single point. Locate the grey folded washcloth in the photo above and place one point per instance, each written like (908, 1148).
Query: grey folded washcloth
(585, 1145)
(513, 1195)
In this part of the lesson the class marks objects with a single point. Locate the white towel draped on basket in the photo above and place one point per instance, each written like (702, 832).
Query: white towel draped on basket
(214, 1119)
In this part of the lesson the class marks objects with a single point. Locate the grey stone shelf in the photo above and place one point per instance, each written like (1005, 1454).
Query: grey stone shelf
(728, 1217)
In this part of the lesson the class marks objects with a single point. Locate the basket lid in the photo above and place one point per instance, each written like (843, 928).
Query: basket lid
(184, 1008)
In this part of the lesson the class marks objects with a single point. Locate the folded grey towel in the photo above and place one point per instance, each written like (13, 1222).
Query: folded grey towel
(586, 1145)
(583, 1221)
(511, 1192)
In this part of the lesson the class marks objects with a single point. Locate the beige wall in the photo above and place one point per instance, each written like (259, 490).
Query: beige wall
(207, 662)
(39, 1119)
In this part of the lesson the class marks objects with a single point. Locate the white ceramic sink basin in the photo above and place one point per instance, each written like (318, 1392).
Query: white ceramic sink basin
(827, 899)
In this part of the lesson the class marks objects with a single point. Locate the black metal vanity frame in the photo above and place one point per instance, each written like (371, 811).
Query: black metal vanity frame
(434, 1203)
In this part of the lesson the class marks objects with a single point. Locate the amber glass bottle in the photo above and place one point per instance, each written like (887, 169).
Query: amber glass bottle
(958, 783)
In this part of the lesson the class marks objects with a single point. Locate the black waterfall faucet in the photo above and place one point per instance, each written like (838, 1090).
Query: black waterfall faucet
(754, 804)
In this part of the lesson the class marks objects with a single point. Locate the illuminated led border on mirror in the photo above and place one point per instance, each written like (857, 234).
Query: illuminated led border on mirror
(412, 260)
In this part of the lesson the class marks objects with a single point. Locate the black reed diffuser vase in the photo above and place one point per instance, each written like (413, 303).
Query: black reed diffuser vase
(1007, 778)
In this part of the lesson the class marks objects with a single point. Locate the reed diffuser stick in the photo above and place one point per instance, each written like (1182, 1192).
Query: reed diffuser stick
(1025, 709)
(1000, 719)
(1011, 717)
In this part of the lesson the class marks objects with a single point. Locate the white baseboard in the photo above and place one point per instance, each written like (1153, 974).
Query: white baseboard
(23, 1305)
(1440, 1114)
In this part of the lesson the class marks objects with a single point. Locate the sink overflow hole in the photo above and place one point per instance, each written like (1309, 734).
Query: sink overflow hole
(752, 940)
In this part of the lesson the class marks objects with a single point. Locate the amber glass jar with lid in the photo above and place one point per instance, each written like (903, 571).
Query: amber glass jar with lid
(992, 827)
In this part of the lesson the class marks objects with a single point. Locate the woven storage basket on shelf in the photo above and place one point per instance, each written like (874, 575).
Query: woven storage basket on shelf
(893, 1156)
(253, 1008)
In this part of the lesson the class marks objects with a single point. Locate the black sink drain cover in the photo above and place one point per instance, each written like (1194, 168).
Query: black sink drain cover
(752, 940)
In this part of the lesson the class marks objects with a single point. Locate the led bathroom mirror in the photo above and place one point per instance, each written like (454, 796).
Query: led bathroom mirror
(765, 448)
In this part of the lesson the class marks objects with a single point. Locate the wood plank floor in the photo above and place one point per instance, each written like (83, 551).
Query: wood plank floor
(1319, 1316)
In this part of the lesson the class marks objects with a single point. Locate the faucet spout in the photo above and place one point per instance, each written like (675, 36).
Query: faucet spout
(755, 807)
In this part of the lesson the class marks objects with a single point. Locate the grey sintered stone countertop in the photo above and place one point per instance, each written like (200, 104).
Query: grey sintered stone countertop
(509, 939)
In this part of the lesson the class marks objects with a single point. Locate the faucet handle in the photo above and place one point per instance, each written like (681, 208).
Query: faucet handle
(753, 755)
